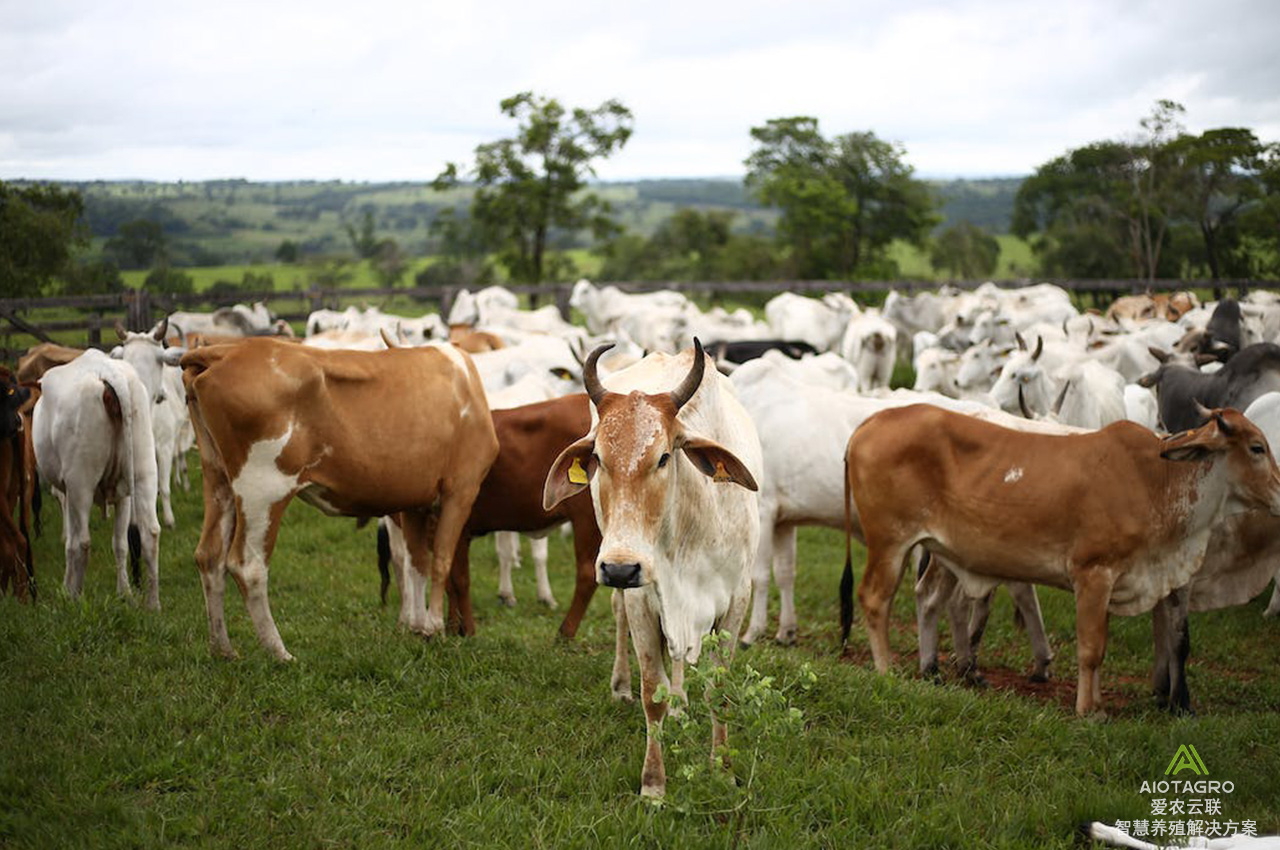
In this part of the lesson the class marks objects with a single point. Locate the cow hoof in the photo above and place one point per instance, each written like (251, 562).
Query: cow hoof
(550, 602)
(509, 601)
(1039, 677)
(974, 679)
(624, 696)
(932, 673)
(226, 653)
(787, 637)
(653, 792)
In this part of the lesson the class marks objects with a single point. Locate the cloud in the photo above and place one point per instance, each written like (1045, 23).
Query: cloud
(386, 89)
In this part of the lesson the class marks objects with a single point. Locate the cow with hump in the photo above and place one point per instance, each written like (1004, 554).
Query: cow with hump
(672, 474)
(1119, 516)
(405, 431)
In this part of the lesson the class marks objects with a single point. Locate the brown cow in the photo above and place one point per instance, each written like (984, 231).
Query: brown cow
(354, 433)
(16, 565)
(473, 341)
(43, 357)
(1118, 516)
(530, 438)
(1162, 305)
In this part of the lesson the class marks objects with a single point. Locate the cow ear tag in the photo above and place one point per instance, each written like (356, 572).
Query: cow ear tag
(721, 475)
(577, 475)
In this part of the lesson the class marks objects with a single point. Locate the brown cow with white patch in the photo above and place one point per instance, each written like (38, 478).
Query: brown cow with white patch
(16, 566)
(1119, 516)
(403, 431)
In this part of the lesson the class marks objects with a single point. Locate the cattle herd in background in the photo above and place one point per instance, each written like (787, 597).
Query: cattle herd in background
(685, 447)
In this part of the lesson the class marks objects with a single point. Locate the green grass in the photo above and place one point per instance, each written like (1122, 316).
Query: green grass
(121, 731)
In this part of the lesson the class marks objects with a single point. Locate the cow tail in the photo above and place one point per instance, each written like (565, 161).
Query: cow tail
(846, 579)
(384, 559)
(117, 398)
(37, 503)
(135, 554)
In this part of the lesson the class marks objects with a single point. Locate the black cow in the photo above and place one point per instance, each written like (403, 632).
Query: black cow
(1247, 375)
(743, 350)
(1221, 339)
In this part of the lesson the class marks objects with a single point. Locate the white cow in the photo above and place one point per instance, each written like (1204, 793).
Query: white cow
(237, 320)
(146, 353)
(605, 307)
(870, 343)
(93, 440)
(672, 462)
(817, 321)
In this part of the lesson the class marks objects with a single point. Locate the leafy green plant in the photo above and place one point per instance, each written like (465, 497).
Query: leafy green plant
(761, 719)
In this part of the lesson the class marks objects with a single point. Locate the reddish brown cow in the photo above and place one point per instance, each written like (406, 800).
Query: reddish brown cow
(16, 565)
(530, 438)
(354, 433)
(473, 341)
(1118, 516)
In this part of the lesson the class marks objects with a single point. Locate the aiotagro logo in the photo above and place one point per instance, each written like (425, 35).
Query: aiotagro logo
(1186, 758)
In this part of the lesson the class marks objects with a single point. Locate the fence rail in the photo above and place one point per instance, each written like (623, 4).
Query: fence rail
(25, 321)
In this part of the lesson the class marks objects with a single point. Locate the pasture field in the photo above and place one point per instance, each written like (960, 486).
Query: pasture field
(121, 731)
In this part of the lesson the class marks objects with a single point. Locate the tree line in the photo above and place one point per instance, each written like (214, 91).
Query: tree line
(1164, 204)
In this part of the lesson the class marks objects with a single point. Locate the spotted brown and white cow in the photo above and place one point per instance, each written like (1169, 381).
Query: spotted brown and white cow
(672, 475)
(403, 431)
(1119, 516)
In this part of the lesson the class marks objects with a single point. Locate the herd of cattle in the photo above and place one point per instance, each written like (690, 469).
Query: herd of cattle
(1030, 451)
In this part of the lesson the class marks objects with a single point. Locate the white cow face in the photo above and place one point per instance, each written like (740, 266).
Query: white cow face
(147, 355)
(635, 463)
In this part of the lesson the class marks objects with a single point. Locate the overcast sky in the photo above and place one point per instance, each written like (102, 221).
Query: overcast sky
(390, 90)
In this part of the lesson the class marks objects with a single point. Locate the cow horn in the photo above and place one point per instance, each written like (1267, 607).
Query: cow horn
(1022, 343)
(591, 380)
(387, 340)
(681, 394)
(120, 330)
(161, 329)
(1039, 348)
(1022, 404)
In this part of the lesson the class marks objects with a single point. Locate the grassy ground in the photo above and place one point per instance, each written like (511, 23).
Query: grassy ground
(121, 731)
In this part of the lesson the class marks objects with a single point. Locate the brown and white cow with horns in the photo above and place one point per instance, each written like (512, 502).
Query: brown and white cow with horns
(672, 462)
(1119, 516)
(404, 431)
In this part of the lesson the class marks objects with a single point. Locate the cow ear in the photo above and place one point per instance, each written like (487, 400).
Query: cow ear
(1158, 353)
(1193, 445)
(1148, 380)
(571, 473)
(171, 356)
(718, 463)
(117, 353)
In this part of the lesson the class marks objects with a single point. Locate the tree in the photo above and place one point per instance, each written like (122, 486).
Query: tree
(364, 241)
(389, 262)
(966, 250)
(843, 200)
(167, 280)
(41, 227)
(288, 251)
(530, 185)
(138, 244)
(1219, 178)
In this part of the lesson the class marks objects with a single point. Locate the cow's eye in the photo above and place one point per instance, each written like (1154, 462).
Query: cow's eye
(1258, 449)
(662, 461)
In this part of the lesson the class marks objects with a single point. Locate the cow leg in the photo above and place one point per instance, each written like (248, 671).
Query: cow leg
(461, 622)
(646, 637)
(1273, 608)
(968, 617)
(164, 471)
(454, 510)
(728, 625)
(760, 583)
(1170, 626)
(211, 556)
(1093, 594)
(885, 563)
(538, 550)
(251, 547)
(784, 573)
(120, 545)
(933, 588)
(1028, 603)
(507, 543)
(586, 545)
(77, 504)
(620, 681)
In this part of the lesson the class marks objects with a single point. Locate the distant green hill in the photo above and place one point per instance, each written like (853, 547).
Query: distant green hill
(238, 222)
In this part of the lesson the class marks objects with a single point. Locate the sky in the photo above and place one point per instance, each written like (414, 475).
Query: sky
(388, 90)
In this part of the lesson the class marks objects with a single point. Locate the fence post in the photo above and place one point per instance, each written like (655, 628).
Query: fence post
(447, 294)
(562, 302)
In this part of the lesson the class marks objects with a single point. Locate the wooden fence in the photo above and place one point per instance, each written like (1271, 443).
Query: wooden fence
(89, 320)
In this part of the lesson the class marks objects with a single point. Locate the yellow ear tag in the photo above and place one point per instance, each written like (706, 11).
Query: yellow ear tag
(721, 474)
(577, 475)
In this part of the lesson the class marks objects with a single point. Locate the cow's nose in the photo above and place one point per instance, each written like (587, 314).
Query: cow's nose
(620, 575)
